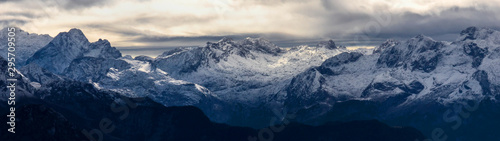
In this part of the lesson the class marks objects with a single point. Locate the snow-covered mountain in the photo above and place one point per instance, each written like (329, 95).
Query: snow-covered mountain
(26, 44)
(69, 56)
(420, 77)
(115, 75)
(242, 82)
(244, 71)
(223, 73)
(420, 68)
(247, 71)
(254, 70)
(67, 46)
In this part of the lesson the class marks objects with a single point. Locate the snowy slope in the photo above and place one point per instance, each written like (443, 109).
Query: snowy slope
(254, 70)
(67, 46)
(419, 69)
(243, 82)
(243, 71)
(247, 71)
(135, 78)
(26, 44)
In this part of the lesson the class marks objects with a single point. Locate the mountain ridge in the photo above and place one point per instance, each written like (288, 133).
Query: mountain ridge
(233, 81)
(66, 46)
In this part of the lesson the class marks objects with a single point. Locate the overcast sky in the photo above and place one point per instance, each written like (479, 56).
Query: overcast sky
(156, 23)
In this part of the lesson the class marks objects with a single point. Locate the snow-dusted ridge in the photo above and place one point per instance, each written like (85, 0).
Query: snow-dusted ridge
(26, 44)
(67, 46)
(420, 69)
(241, 82)
(254, 69)
(254, 73)
(247, 71)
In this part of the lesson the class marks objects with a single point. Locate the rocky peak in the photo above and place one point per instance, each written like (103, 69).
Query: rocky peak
(76, 32)
(246, 45)
(327, 44)
(103, 42)
(418, 53)
(342, 58)
(473, 33)
(225, 43)
(74, 39)
(469, 33)
(387, 44)
(144, 58)
(67, 46)
(421, 38)
(477, 53)
(102, 49)
(260, 44)
(225, 40)
(256, 41)
(422, 43)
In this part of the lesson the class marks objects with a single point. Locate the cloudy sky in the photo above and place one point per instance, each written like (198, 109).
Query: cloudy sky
(169, 23)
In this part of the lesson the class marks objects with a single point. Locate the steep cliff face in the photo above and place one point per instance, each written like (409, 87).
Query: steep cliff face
(67, 46)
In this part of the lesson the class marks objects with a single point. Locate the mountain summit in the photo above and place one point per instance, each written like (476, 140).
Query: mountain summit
(67, 46)
(329, 45)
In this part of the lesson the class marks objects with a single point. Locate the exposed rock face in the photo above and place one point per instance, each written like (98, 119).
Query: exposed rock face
(67, 46)
(262, 45)
(475, 52)
(387, 44)
(329, 45)
(469, 33)
(419, 53)
(400, 76)
(91, 69)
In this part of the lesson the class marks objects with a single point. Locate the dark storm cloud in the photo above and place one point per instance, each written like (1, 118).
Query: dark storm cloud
(109, 27)
(272, 36)
(284, 22)
(63, 4)
(66, 4)
(72, 4)
(381, 24)
(450, 21)
(337, 21)
(6, 0)
(168, 21)
(21, 14)
(127, 29)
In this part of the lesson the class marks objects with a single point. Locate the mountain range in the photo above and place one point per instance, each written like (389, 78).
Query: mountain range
(429, 85)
